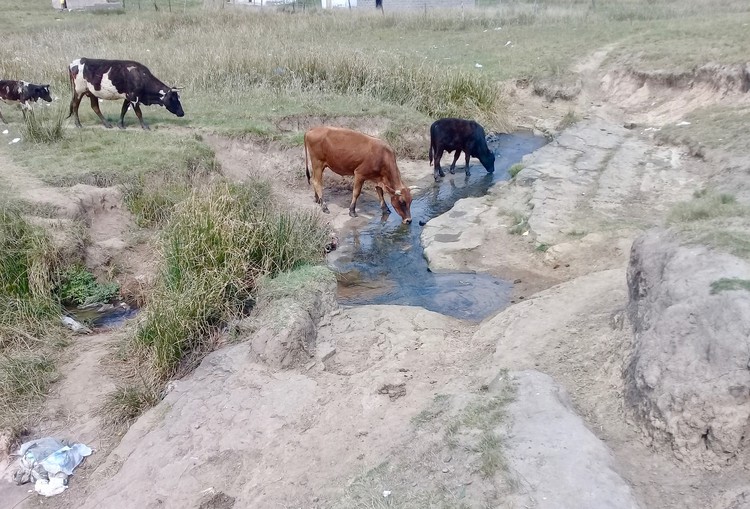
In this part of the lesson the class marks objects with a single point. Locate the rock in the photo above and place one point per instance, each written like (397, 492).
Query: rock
(554, 455)
(284, 327)
(687, 381)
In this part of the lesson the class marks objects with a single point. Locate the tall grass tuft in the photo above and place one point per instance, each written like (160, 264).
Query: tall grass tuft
(216, 246)
(27, 312)
(43, 125)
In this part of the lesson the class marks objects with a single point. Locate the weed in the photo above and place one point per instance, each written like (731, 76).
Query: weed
(542, 248)
(24, 379)
(44, 127)
(729, 284)
(515, 170)
(79, 287)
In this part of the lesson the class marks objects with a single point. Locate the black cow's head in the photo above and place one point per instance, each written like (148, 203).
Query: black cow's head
(39, 92)
(171, 101)
(488, 161)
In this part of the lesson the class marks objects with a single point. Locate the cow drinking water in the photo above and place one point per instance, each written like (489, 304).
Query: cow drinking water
(113, 80)
(22, 93)
(348, 152)
(449, 134)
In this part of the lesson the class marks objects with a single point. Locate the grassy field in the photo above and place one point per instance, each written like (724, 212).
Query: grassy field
(242, 71)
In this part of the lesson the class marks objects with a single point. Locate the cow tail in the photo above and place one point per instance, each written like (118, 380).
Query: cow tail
(72, 90)
(307, 168)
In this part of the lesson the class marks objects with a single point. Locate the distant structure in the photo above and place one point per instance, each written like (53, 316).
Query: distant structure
(411, 5)
(337, 4)
(77, 5)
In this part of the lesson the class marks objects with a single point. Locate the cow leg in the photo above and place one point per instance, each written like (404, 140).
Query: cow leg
(358, 182)
(2, 118)
(137, 109)
(467, 164)
(125, 106)
(75, 102)
(383, 205)
(455, 158)
(95, 107)
(438, 169)
(317, 183)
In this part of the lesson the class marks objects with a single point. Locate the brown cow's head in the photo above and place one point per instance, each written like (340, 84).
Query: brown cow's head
(401, 201)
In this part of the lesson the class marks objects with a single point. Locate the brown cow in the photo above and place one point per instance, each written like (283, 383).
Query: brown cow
(348, 152)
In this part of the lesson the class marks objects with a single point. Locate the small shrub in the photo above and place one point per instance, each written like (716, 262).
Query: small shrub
(568, 120)
(43, 126)
(515, 170)
(542, 247)
(79, 287)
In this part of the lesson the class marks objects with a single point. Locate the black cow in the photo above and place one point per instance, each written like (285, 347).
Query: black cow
(119, 79)
(22, 93)
(449, 134)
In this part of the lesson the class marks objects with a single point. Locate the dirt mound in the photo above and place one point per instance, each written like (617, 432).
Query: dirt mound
(688, 380)
(658, 97)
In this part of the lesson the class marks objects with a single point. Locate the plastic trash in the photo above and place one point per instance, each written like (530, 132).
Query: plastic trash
(74, 325)
(47, 462)
(66, 459)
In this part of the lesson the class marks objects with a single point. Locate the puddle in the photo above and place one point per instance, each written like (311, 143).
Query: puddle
(383, 262)
(107, 316)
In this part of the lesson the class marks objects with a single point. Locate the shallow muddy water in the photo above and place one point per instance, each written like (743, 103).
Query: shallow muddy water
(383, 262)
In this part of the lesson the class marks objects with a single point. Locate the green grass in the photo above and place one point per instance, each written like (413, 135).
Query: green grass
(729, 284)
(103, 157)
(29, 333)
(707, 206)
(515, 170)
(42, 126)
(79, 287)
(215, 248)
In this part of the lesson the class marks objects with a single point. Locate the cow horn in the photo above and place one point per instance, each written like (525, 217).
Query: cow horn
(398, 193)
(177, 88)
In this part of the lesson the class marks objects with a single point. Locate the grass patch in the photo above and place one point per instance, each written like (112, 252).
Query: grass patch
(216, 247)
(568, 120)
(729, 284)
(126, 403)
(515, 170)
(29, 334)
(542, 248)
(43, 126)
(79, 287)
(707, 206)
(103, 158)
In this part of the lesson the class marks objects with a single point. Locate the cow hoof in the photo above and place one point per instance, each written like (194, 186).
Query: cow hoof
(108, 126)
(145, 127)
(121, 126)
(325, 210)
(453, 172)
(352, 213)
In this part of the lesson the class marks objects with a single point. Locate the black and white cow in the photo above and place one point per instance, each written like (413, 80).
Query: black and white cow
(22, 93)
(113, 80)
